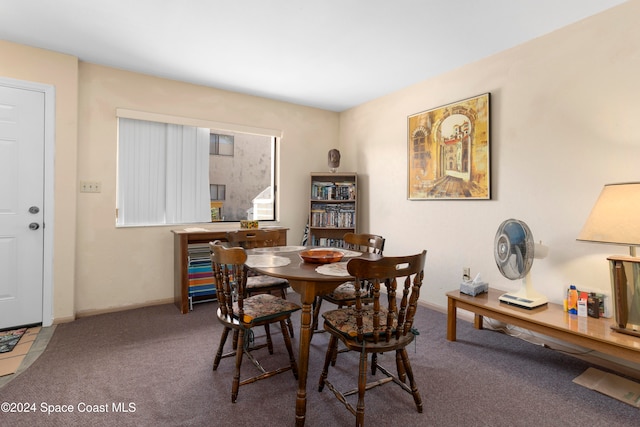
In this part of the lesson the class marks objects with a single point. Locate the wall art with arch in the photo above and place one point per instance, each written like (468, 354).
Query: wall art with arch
(448, 151)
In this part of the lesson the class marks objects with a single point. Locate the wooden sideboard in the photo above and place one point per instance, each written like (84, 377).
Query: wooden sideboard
(550, 320)
(182, 238)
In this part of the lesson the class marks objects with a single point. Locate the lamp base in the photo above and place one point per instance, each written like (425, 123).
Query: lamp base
(632, 332)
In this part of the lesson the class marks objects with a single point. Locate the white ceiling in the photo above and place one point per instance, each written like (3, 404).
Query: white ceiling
(330, 54)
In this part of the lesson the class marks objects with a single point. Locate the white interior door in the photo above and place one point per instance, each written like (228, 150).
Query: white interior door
(22, 148)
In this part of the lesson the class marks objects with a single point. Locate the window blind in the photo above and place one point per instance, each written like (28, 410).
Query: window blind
(163, 173)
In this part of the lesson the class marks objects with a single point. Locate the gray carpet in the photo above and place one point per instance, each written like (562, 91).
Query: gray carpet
(156, 364)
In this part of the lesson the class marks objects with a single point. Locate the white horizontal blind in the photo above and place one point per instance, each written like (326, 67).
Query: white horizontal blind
(163, 173)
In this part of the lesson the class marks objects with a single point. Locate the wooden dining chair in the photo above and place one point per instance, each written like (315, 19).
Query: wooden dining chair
(384, 325)
(344, 295)
(241, 313)
(259, 283)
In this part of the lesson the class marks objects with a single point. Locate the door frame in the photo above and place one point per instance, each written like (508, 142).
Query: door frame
(49, 175)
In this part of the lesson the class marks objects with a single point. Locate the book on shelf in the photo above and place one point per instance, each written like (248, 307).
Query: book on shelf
(329, 215)
(193, 274)
(198, 266)
(201, 281)
(326, 241)
(198, 290)
(321, 190)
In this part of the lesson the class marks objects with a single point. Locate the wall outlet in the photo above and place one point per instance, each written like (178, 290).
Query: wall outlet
(466, 273)
(90, 187)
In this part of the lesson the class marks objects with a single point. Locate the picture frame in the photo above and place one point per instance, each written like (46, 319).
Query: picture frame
(449, 151)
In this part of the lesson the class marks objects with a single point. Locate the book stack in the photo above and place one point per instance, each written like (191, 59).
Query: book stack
(321, 190)
(326, 241)
(339, 216)
(201, 280)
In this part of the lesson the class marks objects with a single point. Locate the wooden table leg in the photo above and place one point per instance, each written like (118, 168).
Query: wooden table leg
(451, 319)
(307, 295)
(477, 321)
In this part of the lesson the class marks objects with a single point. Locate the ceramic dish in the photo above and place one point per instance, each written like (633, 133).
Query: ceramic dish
(321, 256)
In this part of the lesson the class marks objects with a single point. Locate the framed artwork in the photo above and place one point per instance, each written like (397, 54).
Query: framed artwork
(449, 152)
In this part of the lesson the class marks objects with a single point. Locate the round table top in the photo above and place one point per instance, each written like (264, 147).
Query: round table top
(297, 269)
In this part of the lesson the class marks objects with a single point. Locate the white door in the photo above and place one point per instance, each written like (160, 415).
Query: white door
(22, 136)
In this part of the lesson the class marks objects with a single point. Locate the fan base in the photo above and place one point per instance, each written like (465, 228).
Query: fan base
(523, 301)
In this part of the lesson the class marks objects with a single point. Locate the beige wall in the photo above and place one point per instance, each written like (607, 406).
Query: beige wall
(61, 71)
(563, 114)
(129, 266)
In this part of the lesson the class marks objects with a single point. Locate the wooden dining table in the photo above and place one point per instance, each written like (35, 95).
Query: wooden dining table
(304, 279)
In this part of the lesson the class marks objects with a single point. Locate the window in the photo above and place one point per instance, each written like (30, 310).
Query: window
(174, 170)
(245, 176)
(217, 192)
(221, 145)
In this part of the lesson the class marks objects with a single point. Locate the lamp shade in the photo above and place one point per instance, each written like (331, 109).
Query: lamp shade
(615, 218)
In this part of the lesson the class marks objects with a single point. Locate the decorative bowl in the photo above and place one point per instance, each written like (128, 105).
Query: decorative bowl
(321, 256)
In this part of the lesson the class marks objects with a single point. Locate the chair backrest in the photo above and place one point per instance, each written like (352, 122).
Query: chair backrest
(398, 320)
(253, 238)
(230, 278)
(364, 242)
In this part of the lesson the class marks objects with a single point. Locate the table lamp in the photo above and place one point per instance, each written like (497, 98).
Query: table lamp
(615, 219)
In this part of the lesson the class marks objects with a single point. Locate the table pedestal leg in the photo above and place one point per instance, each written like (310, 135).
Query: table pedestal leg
(308, 291)
(307, 298)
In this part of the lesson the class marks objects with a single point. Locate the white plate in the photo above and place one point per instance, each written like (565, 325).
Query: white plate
(272, 249)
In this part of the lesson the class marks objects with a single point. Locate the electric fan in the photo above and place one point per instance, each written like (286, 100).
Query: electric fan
(514, 251)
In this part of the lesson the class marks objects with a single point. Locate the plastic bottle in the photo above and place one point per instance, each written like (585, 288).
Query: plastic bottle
(572, 300)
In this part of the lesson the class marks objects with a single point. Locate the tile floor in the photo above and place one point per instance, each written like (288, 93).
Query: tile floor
(30, 347)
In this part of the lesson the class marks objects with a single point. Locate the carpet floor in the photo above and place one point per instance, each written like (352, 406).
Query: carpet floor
(152, 367)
